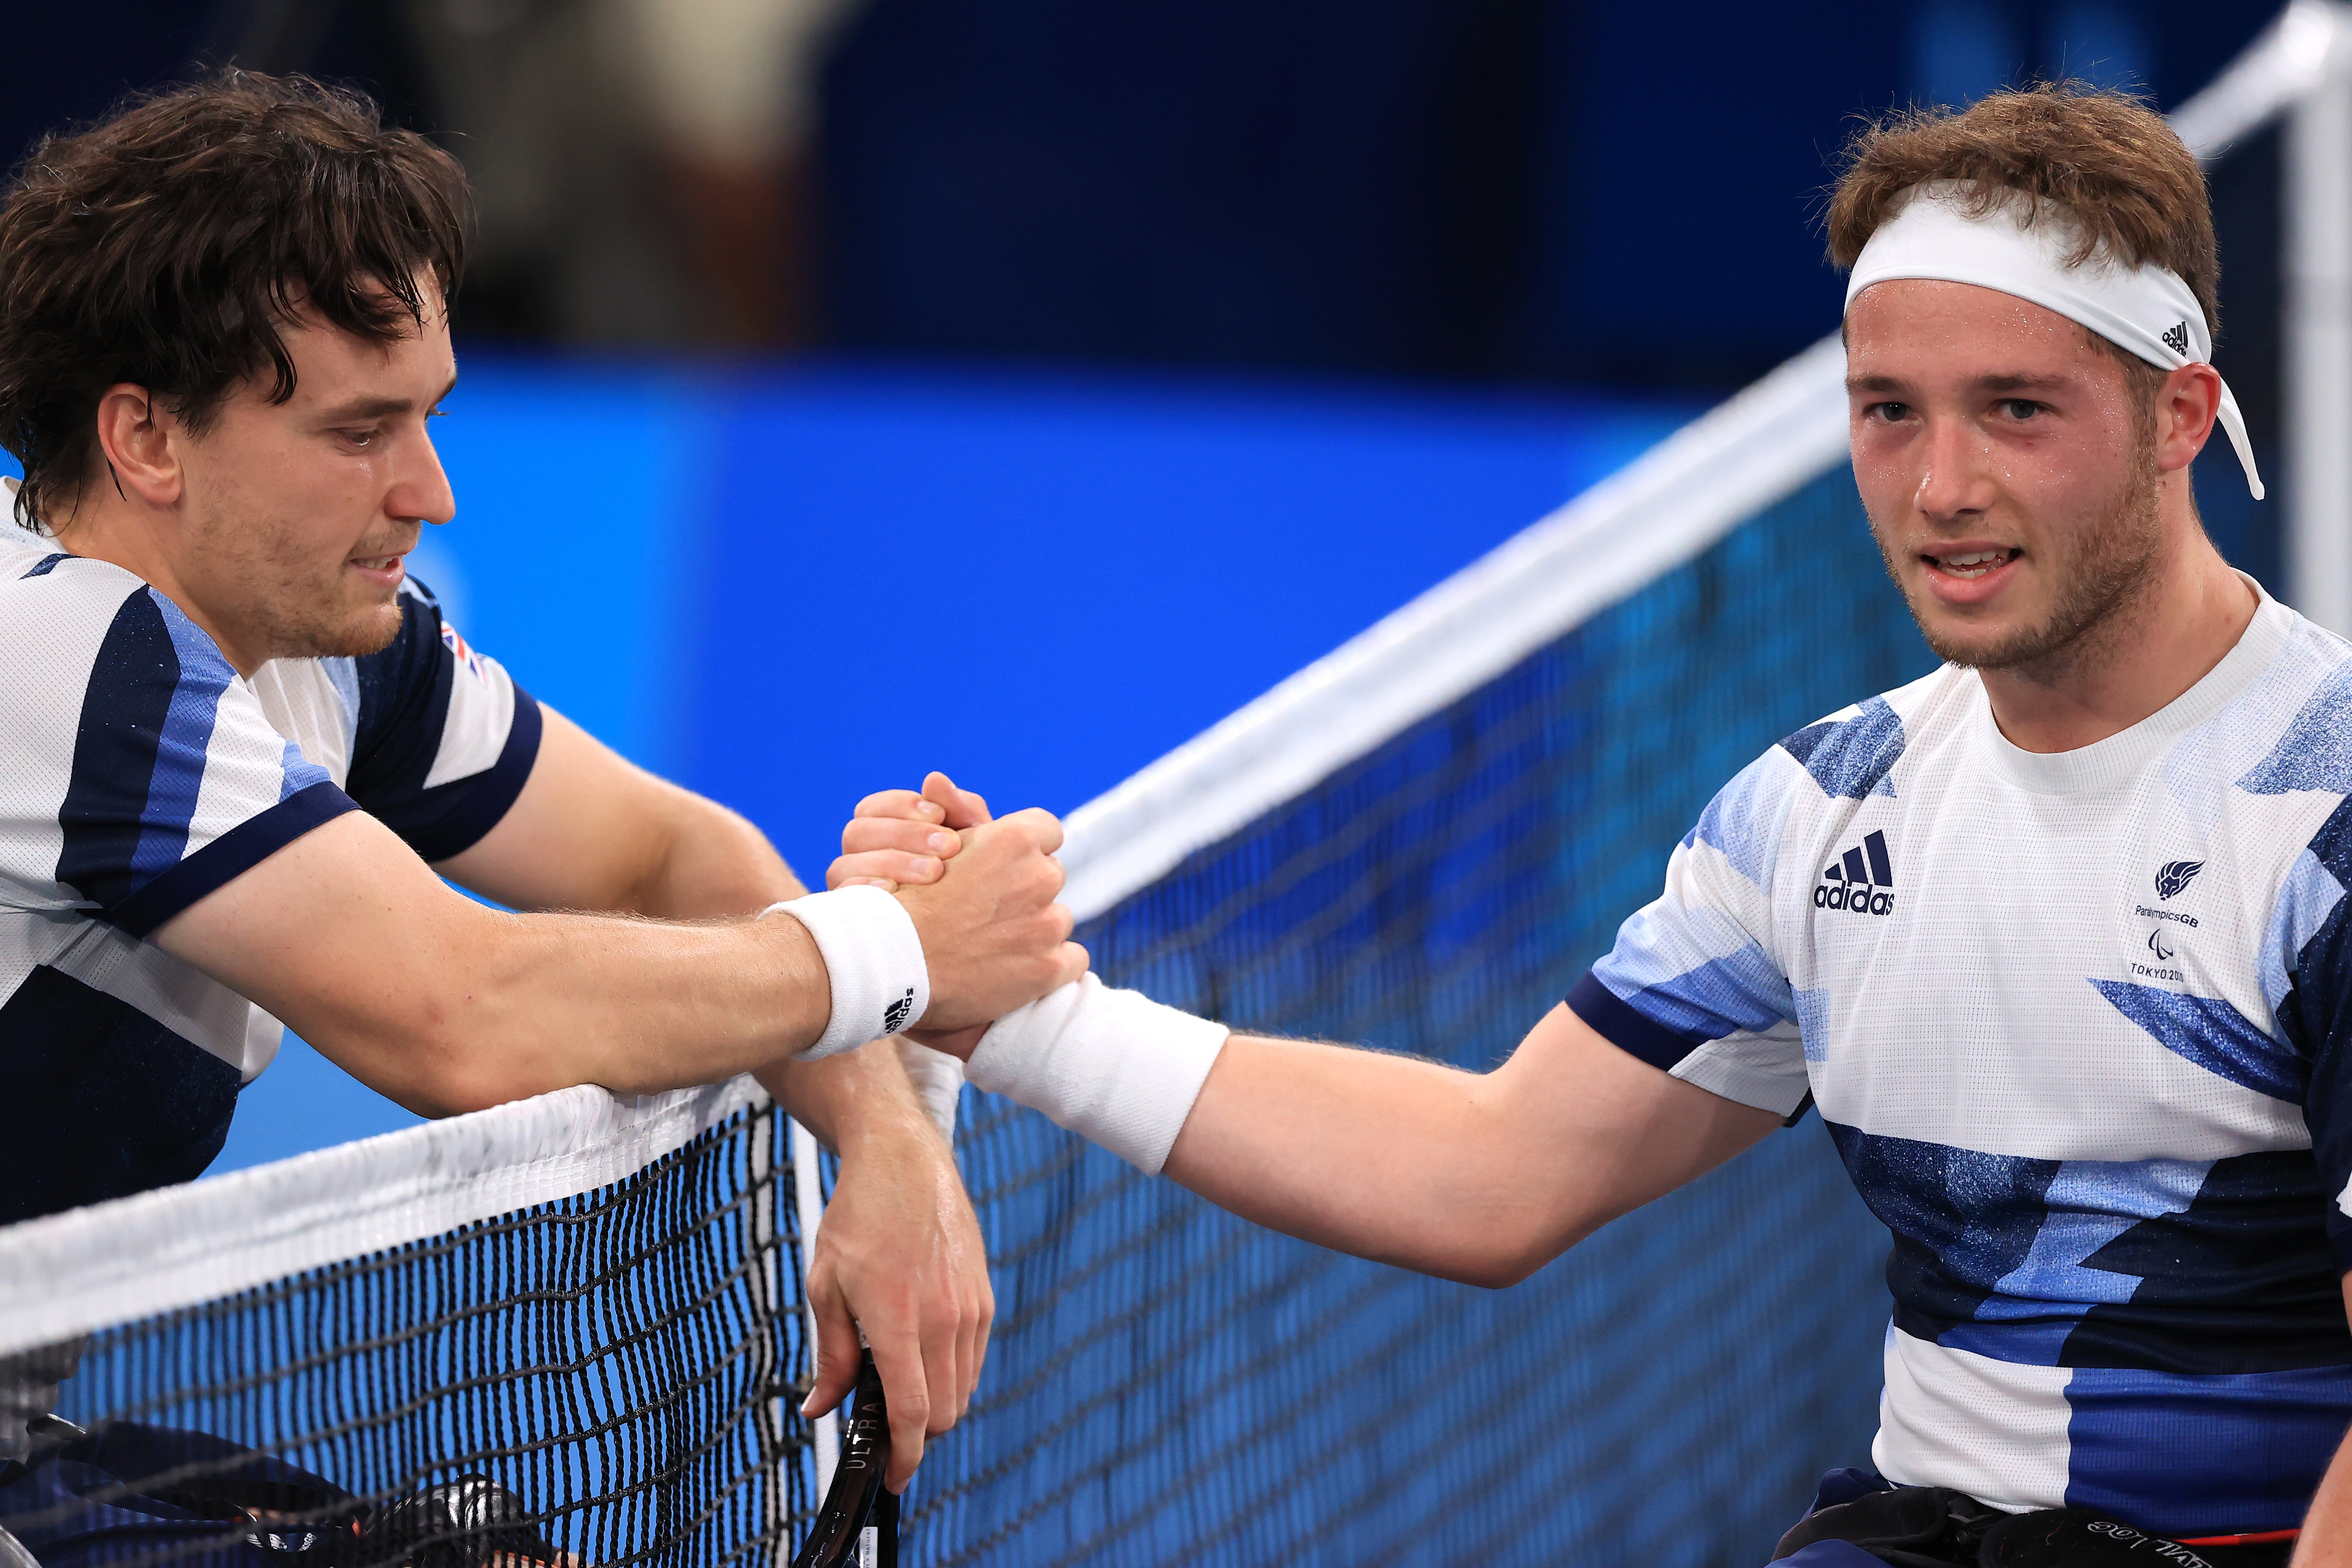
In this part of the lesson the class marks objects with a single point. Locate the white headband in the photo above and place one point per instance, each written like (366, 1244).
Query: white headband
(2144, 311)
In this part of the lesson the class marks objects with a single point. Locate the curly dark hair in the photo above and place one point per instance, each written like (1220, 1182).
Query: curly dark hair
(2104, 155)
(167, 245)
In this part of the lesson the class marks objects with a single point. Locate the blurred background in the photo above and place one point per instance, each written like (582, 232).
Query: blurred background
(857, 386)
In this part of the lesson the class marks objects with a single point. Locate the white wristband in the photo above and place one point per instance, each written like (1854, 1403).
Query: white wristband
(1111, 1066)
(873, 960)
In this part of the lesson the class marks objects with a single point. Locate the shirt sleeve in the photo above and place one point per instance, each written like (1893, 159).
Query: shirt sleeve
(2307, 974)
(1695, 984)
(445, 741)
(178, 783)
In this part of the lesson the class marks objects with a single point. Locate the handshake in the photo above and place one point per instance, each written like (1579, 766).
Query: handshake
(982, 895)
(1009, 993)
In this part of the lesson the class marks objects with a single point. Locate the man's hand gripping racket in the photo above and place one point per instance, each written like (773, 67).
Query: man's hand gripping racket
(857, 1524)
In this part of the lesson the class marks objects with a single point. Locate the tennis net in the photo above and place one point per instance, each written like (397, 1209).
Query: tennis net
(591, 1304)
(1419, 843)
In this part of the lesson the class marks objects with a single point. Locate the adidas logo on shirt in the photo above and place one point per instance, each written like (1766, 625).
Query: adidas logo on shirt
(1863, 882)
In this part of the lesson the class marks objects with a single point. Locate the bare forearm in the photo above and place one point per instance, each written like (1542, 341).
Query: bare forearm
(1478, 1177)
(719, 865)
(714, 865)
(555, 1000)
(1386, 1157)
(851, 1100)
(2327, 1529)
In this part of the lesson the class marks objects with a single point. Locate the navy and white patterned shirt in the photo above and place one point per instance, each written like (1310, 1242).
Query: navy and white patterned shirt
(2079, 1025)
(138, 773)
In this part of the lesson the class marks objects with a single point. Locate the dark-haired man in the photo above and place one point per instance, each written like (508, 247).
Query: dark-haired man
(2107, 1124)
(240, 743)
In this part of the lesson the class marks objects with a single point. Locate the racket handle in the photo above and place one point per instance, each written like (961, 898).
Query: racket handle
(857, 1503)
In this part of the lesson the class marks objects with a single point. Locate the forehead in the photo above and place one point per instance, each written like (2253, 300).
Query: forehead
(330, 364)
(1925, 329)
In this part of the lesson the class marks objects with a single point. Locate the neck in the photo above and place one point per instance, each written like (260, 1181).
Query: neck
(138, 538)
(2186, 619)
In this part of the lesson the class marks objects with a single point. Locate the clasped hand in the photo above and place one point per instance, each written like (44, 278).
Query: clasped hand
(899, 1251)
(901, 841)
(991, 934)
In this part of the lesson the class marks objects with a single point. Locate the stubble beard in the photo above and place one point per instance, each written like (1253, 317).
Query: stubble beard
(294, 614)
(2105, 589)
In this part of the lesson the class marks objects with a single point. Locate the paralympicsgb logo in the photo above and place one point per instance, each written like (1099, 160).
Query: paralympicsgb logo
(2175, 875)
(1862, 882)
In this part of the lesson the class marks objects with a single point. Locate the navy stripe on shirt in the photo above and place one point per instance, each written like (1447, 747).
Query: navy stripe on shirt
(117, 748)
(230, 856)
(405, 695)
(451, 818)
(1623, 1025)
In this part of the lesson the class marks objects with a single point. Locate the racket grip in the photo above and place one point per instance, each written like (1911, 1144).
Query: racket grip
(856, 1502)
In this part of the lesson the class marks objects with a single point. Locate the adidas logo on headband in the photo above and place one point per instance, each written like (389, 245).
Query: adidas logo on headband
(2176, 339)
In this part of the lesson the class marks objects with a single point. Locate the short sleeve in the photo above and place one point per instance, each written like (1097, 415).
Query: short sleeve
(445, 739)
(1694, 985)
(2308, 969)
(178, 783)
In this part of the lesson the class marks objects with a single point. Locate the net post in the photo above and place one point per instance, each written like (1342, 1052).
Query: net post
(2318, 335)
(810, 1202)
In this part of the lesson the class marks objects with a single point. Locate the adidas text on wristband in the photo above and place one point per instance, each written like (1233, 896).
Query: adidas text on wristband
(873, 961)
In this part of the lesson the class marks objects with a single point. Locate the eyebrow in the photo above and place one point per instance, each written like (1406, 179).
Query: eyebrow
(378, 407)
(2008, 381)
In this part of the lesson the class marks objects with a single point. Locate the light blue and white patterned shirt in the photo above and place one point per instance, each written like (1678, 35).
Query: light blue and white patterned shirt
(2079, 1025)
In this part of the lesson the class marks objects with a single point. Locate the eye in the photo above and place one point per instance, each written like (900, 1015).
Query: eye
(1887, 413)
(2019, 408)
(362, 438)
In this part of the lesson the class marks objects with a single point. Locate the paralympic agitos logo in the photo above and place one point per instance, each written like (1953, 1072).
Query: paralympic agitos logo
(1862, 882)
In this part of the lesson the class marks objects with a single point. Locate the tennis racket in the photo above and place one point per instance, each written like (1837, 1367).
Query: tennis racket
(858, 1527)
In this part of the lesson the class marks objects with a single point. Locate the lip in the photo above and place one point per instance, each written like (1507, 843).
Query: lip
(386, 577)
(1951, 589)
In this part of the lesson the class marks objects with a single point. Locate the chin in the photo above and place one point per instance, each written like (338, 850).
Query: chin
(1973, 644)
(354, 635)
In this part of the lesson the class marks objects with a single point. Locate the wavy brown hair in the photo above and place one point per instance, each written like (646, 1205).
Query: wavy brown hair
(2106, 156)
(167, 246)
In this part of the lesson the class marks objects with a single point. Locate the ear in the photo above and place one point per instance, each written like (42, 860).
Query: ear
(2187, 404)
(138, 438)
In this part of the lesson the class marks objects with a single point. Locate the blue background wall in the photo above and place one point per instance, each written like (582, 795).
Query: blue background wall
(788, 589)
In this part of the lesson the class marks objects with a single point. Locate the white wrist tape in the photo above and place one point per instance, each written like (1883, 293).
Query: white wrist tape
(873, 960)
(1111, 1066)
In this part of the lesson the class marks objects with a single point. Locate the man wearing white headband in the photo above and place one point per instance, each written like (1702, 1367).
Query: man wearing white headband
(2104, 1104)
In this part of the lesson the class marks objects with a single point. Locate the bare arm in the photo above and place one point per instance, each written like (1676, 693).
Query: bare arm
(2327, 1529)
(1481, 1177)
(1478, 1177)
(445, 1005)
(901, 1253)
(594, 831)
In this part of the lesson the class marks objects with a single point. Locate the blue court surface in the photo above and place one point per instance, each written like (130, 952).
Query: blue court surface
(787, 588)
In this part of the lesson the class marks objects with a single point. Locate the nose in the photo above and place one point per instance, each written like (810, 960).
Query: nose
(421, 491)
(1953, 481)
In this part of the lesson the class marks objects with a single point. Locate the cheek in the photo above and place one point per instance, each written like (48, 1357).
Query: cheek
(2064, 479)
(1883, 474)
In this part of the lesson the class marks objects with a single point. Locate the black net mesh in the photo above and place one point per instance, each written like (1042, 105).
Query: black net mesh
(624, 1363)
